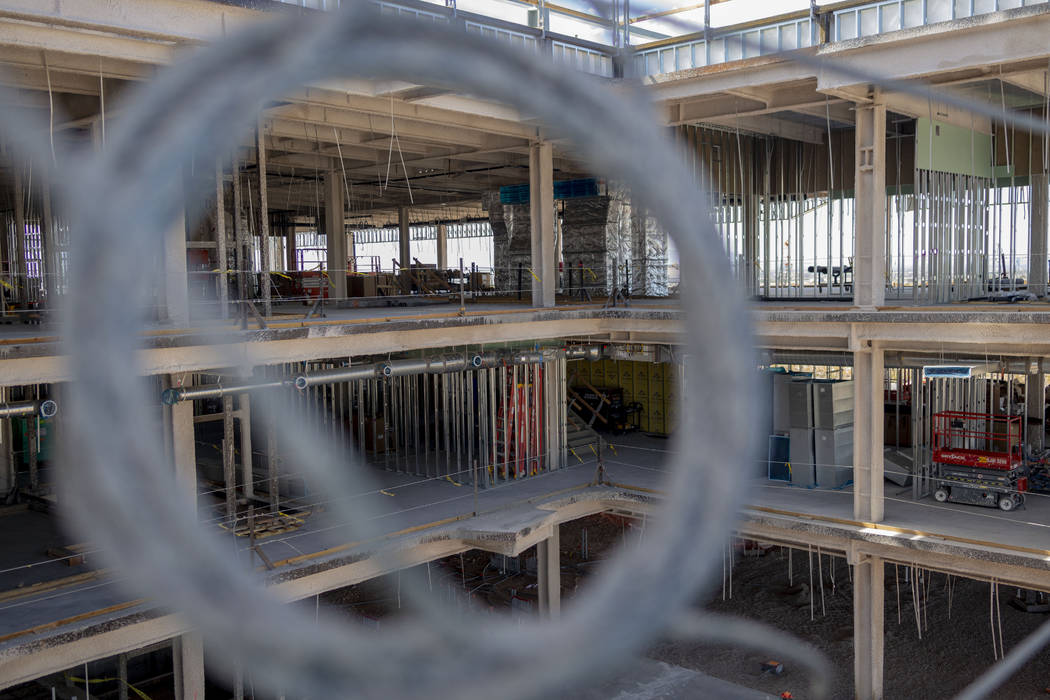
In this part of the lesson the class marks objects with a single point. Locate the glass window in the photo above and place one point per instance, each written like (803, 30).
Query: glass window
(869, 21)
(938, 10)
(770, 41)
(788, 37)
(683, 57)
(747, 43)
(666, 60)
(891, 17)
(847, 26)
(699, 53)
(913, 13)
(718, 51)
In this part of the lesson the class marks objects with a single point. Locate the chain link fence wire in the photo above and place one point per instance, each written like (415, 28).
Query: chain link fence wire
(119, 489)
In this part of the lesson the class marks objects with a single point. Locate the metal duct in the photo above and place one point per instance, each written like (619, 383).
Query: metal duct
(43, 409)
(173, 396)
(340, 374)
(593, 353)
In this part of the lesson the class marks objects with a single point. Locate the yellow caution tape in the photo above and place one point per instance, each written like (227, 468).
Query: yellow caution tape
(110, 680)
(575, 455)
(593, 276)
(592, 449)
(386, 493)
(454, 483)
(281, 274)
(228, 271)
(8, 286)
(613, 450)
(534, 275)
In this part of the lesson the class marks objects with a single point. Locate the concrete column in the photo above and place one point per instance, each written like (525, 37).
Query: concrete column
(750, 213)
(548, 574)
(404, 237)
(240, 257)
(176, 282)
(8, 475)
(1037, 246)
(220, 243)
(18, 266)
(122, 677)
(554, 388)
(541, 218)
(264, 221)
(868, 474)
(229, 464)
(1035, 400)
(335, 230)
(189, 667)
(184, 450)
(868, 627)
(50, 258)
(442, 246)
(291, 259)
(869, 256)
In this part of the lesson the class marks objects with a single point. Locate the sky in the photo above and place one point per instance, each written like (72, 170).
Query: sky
(722, 14)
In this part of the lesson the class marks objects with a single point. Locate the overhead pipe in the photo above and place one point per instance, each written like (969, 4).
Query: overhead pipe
(43, 409)
(339, 374)
(439, 364)
(592, 353)
(170, 397)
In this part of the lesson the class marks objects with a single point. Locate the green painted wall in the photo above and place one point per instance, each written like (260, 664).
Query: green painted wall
(955, 149)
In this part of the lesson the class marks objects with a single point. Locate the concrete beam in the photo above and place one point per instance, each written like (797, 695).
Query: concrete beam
(995, 39)
(773, 126)
(915, 106)
(1032, 81)
(407, 129)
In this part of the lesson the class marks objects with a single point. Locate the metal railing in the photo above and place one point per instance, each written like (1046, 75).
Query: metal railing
(582, 56)
(892, 15)
(725, 47)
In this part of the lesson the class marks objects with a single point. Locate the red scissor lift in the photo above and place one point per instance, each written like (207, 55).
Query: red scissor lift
(978, 459)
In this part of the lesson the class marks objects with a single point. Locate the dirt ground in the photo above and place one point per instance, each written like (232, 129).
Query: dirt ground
(950, 654)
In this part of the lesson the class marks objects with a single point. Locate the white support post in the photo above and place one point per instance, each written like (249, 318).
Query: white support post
(189, 677)
(869, 264)
(176, 282)
(1037, 247)
(335, 230)
(868, 626)
(264, 222)
(247, 456)
(548, 573)
(442, 246)
(220, 243)
(541, 218)
(868, 465)
(184, 450)
(1035, 393)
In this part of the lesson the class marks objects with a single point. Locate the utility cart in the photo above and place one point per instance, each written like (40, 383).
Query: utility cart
(979, 459)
